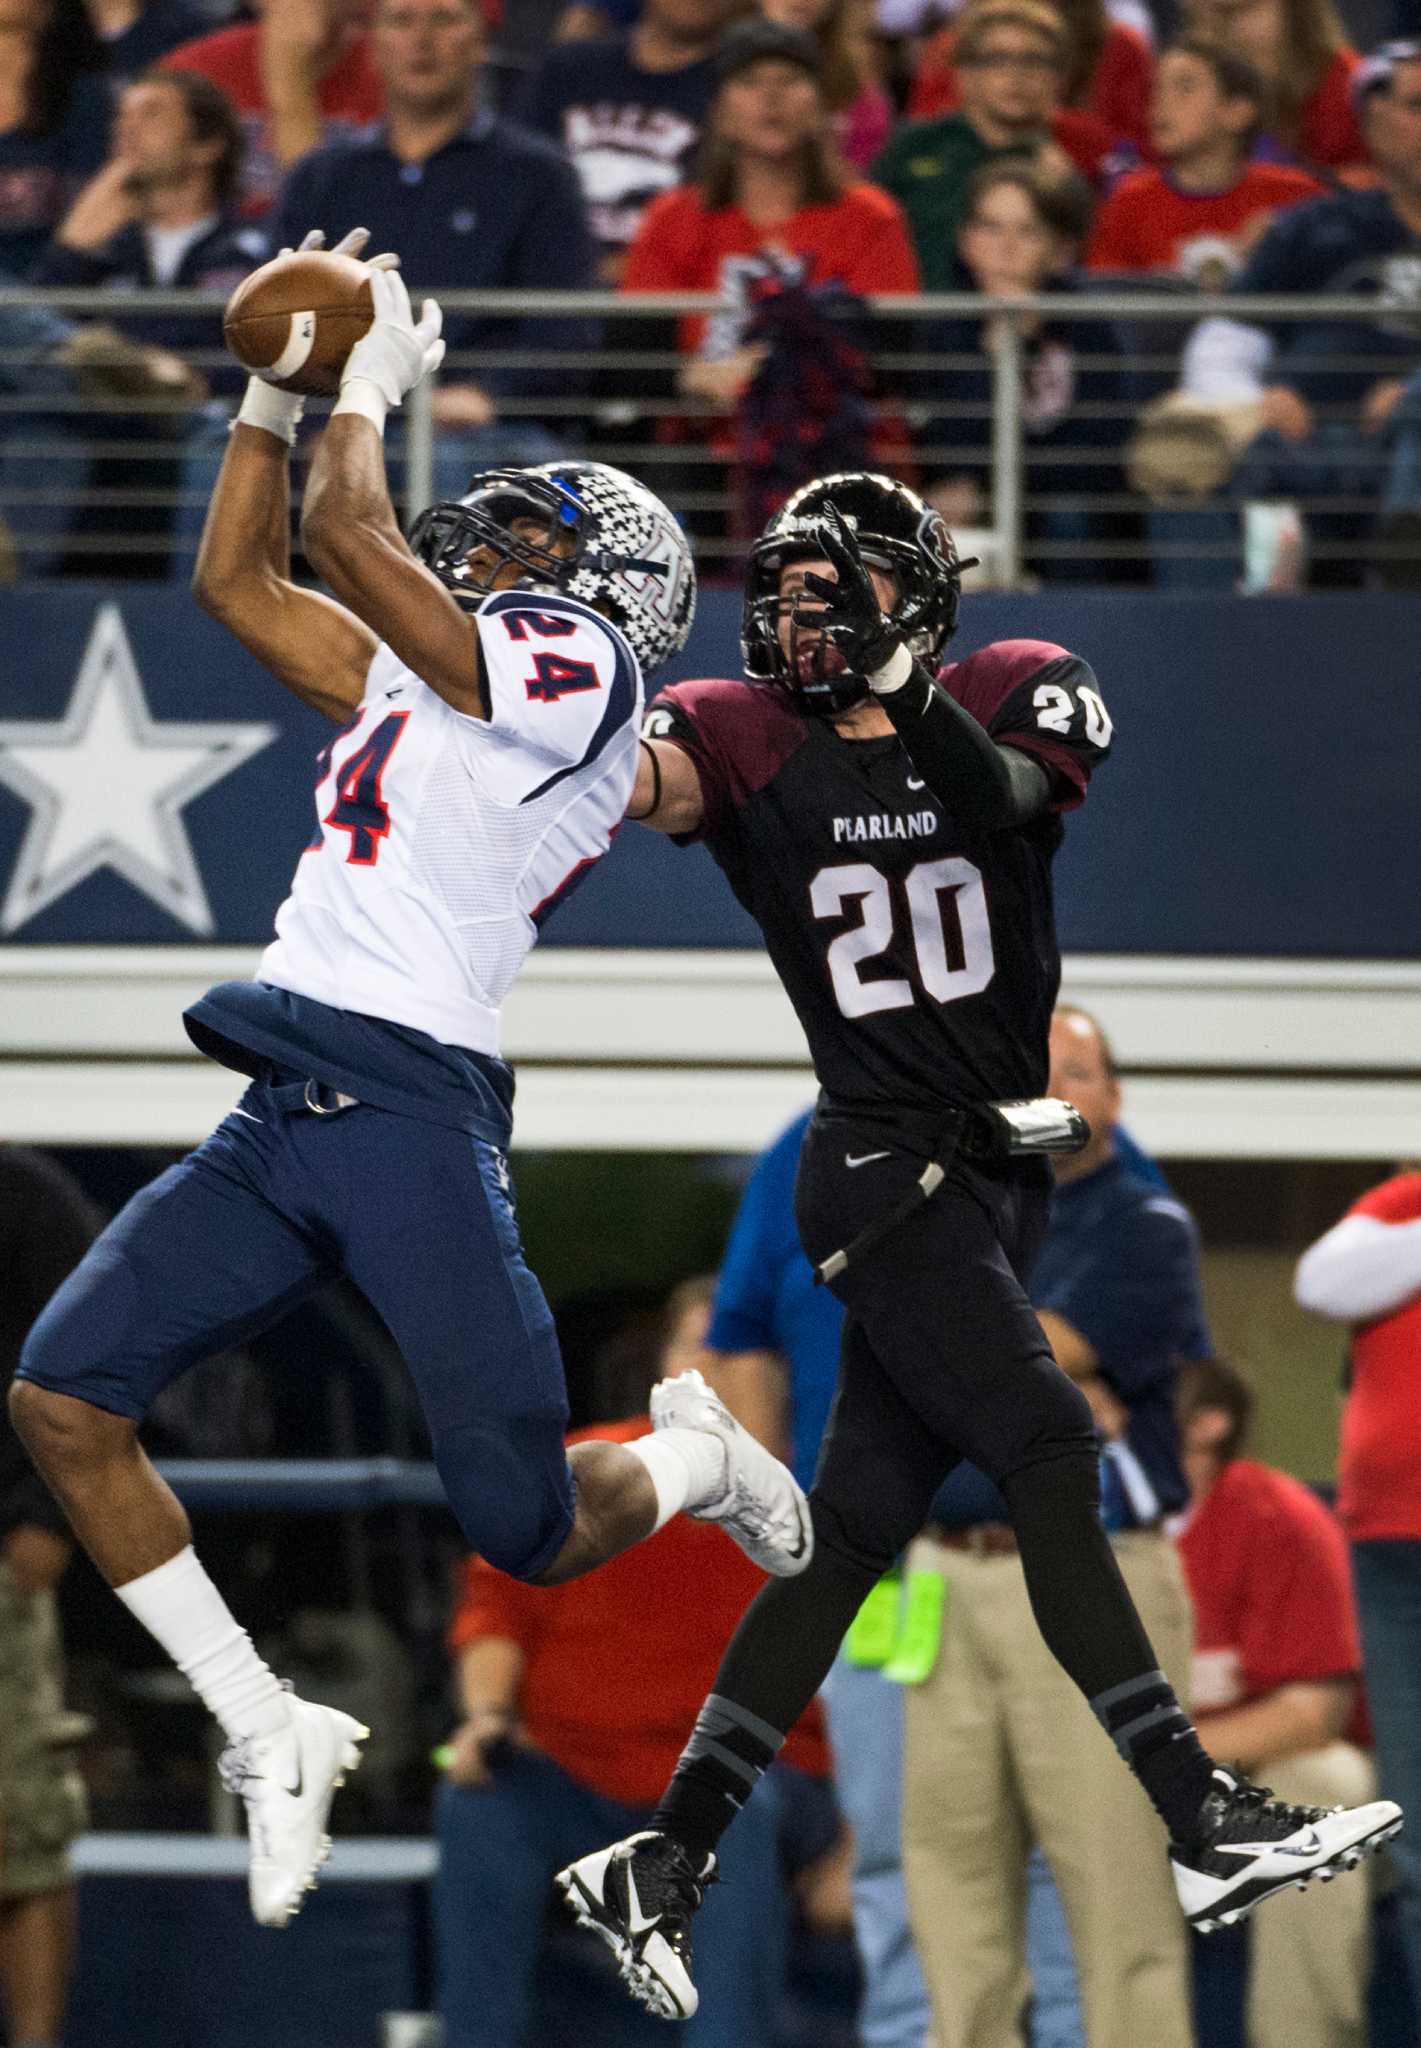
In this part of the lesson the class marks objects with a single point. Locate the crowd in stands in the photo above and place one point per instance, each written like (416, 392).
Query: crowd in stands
(801, 158)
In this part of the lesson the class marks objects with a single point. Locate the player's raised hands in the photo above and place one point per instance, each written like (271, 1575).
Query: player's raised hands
(398, 350)
(847, 611)
(348, 245)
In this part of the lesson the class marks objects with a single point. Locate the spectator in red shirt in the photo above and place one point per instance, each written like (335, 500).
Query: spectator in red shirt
(575, 1703)
(1200, 214)
(300, 75)
(770, 185)
(1107, 72)
(1276, 1663)
(1366, 1272)
(1301, 48)
(778, 226)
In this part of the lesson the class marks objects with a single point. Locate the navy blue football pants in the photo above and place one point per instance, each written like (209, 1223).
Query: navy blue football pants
(278, 1200)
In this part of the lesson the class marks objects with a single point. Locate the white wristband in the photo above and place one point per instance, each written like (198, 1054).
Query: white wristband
(894, 672)
(275, 412)
(363, 396)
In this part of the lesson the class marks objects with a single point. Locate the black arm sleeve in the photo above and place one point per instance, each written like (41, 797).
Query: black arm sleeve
(985, 787)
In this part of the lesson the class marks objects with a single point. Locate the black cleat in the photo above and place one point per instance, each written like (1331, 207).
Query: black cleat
(1251, 1845)
(639, 1896)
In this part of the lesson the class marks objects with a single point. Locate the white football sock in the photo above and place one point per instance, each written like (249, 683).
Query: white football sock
(687, 1468)
(179, 1605)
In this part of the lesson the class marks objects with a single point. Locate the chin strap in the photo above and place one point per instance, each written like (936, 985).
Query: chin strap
(603, 564)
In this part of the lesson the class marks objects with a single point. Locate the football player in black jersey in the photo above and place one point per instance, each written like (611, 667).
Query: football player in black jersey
(891, 826)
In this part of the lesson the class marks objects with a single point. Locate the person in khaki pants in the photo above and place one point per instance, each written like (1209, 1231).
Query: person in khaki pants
(1276, 1666)
(1000, 1750)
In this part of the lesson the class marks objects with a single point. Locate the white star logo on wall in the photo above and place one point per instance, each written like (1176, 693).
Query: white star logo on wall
(107, 784)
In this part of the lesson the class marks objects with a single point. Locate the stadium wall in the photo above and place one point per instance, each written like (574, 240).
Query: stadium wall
(1238, 900)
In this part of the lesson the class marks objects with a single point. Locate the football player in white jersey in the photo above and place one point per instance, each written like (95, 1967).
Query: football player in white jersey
(487, 685)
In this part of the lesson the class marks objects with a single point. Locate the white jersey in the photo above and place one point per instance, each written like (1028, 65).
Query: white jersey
(444, 841)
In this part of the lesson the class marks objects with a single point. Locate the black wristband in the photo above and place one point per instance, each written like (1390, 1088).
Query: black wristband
(655, 805)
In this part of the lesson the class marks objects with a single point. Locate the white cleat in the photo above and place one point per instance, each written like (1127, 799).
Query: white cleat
(1252, 1845)
(763, 1506)
(286, 1782)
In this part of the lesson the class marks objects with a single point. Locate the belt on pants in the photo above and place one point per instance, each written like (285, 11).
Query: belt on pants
(316, 1096)
(989, 1132)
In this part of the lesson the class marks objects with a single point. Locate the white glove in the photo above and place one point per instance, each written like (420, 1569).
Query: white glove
(279, 412)
(275, 412)
(395, 355)
(348, 245)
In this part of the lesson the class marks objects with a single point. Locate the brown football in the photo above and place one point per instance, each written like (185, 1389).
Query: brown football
(296, 319)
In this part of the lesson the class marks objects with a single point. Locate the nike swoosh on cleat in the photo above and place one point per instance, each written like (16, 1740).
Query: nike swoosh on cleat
(1307, 1848)
(637, 1923)
(864, 1158)
(299, 1787)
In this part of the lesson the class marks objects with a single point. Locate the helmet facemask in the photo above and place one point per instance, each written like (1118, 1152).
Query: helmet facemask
(446, 538)
(603, 538)
(815, 668)
(898, 535)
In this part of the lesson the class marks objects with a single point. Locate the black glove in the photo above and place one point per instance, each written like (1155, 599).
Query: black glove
(852, 620)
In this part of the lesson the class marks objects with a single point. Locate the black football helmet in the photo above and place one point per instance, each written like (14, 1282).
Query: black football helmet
(896, 532)
(622, 551)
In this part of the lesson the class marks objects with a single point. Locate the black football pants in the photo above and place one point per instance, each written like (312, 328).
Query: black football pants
(942, 1359)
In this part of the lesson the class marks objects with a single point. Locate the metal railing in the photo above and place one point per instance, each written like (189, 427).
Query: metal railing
(95, 479)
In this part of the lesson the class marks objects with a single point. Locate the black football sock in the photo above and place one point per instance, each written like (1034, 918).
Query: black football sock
(776, 1662)
(1088, 1619)
(1145, 1721)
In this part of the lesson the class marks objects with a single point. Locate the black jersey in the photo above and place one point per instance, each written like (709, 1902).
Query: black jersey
(921, 959)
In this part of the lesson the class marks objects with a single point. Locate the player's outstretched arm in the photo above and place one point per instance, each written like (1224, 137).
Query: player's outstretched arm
(243, 575)
(986, 787)
(667, 792)
(348, 524)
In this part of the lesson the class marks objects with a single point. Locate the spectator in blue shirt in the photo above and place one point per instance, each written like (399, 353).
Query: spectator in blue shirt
(162, 214)
(1117, 1290)
(471, 201)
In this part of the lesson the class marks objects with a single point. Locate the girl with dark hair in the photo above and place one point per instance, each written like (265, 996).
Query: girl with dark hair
(54, 120)
(778, 225)
(861, 112)
(771, 195)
